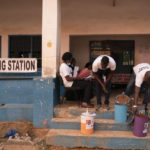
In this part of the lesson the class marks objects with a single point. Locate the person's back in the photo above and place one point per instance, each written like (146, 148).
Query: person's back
(97, 64)
(140, 78)
(65, 70)
(87, 71)
(140, 71)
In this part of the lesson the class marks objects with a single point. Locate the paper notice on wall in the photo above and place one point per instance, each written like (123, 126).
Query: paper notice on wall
(18, 65)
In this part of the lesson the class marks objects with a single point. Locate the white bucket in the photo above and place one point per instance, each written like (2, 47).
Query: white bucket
(87, 122)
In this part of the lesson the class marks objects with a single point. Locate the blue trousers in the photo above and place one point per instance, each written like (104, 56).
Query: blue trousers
(131, 87)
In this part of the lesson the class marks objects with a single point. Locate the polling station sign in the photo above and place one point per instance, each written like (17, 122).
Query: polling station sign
(18, 65)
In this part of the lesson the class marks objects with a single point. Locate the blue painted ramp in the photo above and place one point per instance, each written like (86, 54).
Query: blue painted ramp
(102, 139)
(65, 131)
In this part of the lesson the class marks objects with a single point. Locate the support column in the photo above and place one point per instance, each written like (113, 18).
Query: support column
(46, 93)
(50, 37)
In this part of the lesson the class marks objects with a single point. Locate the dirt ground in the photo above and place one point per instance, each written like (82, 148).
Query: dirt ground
(27, 127)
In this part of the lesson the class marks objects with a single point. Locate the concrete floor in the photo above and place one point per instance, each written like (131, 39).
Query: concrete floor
(115, 92)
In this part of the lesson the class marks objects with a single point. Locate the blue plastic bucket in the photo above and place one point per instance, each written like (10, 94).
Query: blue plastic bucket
(120, 113)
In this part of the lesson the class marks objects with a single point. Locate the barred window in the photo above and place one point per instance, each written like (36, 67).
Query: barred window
(25, 46)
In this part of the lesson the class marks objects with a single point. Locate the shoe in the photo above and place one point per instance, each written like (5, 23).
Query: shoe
(91, 104)
(85, 105)
(98, 107)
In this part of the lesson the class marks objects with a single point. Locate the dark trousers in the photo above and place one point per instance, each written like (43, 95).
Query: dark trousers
(86, 86)
(99, 89)
(131, 87)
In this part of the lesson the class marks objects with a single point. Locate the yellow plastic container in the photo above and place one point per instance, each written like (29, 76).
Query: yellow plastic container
(87, 122)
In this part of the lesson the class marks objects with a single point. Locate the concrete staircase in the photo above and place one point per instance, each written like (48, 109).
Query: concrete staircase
(65, 131)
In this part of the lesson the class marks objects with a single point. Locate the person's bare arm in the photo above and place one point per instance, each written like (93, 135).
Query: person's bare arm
(100, 82)
(68, 78)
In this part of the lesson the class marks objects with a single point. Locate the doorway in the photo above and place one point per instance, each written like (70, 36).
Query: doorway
(121, 48)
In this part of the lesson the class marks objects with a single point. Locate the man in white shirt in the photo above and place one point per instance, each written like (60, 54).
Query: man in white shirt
(103, 68)
(75, 69)
(70, 81)
(139, 78)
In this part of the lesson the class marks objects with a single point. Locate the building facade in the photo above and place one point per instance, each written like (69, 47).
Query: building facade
(45, 29)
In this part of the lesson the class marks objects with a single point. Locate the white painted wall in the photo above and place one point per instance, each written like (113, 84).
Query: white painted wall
(142, 47)
(79, 46)
(19, 17)
(79, 17)
(99, 17)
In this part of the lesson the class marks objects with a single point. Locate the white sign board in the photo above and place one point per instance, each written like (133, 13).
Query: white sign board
(18, 65)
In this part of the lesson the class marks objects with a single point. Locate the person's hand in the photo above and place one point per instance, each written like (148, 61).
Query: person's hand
(79, 78)
(134, 109)
(92, 77)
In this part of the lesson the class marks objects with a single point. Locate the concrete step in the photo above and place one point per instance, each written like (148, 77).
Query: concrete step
(100, 124)
(75, 111)
(102, 139)
(16, 112)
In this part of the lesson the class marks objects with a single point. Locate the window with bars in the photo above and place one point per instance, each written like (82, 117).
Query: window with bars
(25, 46)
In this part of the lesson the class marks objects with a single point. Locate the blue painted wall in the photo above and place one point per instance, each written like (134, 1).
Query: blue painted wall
(16, 91)
(56, 91)
(43, 102)
(28, 100)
